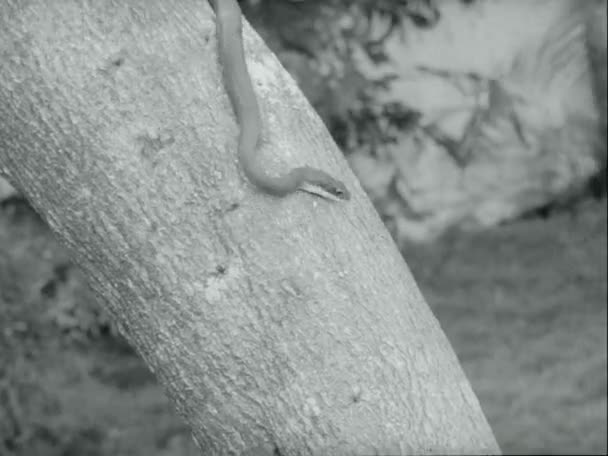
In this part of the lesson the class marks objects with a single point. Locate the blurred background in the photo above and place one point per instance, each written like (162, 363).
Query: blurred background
(478, 129)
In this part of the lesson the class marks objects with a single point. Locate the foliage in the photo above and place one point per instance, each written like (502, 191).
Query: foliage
(332, 36)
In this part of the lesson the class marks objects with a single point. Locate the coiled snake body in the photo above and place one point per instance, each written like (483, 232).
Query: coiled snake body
(244, 103)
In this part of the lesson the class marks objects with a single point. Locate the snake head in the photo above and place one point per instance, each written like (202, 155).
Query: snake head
(322, 184)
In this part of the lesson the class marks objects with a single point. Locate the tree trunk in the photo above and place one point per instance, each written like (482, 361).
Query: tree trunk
(289, 323)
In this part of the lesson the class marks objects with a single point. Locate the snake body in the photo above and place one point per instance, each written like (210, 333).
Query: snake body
(245, 105)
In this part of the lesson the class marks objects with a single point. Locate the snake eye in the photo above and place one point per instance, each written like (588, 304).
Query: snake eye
(341, 193)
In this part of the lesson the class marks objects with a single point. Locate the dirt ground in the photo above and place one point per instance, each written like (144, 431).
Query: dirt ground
(524, 306)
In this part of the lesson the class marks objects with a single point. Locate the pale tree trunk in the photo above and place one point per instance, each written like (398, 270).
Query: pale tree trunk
(289, 323)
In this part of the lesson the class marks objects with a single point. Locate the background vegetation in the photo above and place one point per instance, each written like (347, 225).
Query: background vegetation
(524, 304)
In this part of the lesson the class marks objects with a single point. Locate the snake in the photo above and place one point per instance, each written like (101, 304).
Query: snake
(238, 86)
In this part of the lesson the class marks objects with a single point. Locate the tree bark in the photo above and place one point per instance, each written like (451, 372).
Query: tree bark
(289, 323)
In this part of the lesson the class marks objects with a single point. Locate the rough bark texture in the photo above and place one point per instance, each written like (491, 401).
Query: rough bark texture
(293, 322)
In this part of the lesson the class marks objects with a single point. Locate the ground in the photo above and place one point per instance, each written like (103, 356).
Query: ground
(524, 306)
